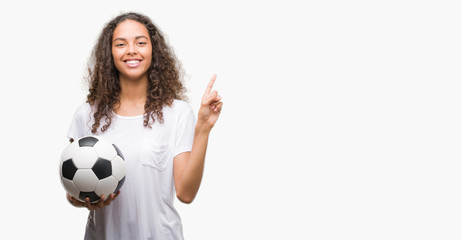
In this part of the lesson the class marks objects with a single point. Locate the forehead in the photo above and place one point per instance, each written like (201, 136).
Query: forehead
(130, 29)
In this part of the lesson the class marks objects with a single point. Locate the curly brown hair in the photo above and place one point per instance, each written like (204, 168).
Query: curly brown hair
(164, 75)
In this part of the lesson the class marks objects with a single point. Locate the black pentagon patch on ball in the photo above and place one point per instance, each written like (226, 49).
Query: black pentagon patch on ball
(68, 169)
(102, 168)
(118, 151)
(119, 185)
(87, 141)
(92, 195)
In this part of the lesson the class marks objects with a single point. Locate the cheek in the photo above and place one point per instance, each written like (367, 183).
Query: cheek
(148, 56)
(116, 53)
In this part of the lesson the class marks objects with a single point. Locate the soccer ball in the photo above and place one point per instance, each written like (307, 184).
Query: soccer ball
(92, 167)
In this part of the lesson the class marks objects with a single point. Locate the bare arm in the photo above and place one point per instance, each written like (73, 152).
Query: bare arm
(188, 166)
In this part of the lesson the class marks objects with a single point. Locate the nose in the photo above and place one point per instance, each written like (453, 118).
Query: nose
(132, 50)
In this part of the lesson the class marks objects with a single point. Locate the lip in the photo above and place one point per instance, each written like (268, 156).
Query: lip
(132, 62)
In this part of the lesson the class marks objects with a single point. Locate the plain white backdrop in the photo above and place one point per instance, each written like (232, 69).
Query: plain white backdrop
(341, 119)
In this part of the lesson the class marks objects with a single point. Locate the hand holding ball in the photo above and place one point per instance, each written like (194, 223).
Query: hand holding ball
(92, 167)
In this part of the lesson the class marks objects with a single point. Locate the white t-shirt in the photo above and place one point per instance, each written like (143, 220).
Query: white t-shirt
(144, 209)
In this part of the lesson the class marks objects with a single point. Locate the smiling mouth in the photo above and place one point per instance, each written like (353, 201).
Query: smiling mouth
(133, 63)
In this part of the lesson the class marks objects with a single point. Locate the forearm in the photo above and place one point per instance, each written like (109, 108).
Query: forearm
(192, 174)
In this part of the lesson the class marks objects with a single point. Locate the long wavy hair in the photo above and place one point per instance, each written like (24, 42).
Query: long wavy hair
(164, 75)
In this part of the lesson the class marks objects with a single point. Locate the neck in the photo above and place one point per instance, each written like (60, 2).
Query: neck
(133, 96)
(133, 90)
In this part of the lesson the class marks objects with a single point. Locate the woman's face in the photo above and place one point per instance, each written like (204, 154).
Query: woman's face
(132, 50)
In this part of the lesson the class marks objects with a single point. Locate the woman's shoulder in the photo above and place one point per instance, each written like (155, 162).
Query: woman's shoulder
(181, 105)
(83, 111)
(83, 108)
(180, 109)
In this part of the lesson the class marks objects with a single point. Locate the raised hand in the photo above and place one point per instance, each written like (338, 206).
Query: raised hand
(211, 106)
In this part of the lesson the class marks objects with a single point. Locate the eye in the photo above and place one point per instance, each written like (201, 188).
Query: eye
(142, 43)
(119, 44)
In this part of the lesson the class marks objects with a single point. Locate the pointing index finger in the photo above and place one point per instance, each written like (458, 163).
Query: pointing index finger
(210, 85)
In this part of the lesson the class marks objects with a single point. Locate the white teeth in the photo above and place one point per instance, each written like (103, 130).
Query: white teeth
(132, 61)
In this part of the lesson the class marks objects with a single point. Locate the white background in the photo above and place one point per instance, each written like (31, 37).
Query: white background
(341, 119)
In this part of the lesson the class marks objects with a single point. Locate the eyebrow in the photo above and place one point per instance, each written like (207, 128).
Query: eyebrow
(136, 38)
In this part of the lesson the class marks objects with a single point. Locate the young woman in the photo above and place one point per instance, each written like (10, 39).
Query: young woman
(136, 100)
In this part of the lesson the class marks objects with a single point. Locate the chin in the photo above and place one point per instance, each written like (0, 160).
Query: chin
(133, 76)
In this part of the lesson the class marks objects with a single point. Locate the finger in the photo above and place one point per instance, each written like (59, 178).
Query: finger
(216, 100)
(70, 200)
(214, 104)
(116, 195)
(214, 97)
(75, 202)
(109, 199)
(210, 85)
(88, 203)
(79, 203)
(101, 201)
(218, 107)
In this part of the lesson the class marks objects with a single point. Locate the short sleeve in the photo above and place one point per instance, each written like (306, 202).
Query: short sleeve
(184, 130)
(76, 130)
